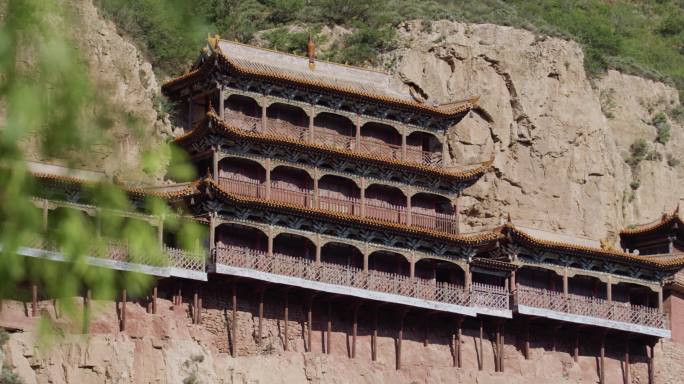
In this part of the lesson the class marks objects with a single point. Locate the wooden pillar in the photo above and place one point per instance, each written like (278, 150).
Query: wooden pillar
(190, 110)
(122, 325)
(609, 291)
(660, 299)
(458, 360)
(497, 359)
(445, 151)
(602, 359)
(154, 300)
(317, 261)
(425, 330)
(316, 192)
(86, 311)
(408, 210)
(215, 164)
(362, 196)
(354, 330)
(357, 133)
(45, 214)
(374, 335)
(502, 336)
(34, 300)
(268, 179)
(233, 338)
(199, 308)
(221, 101)
(312, 135)
(468, 277)
(261, 315)
(412, 269)
(264, 118)
(195, 303)
(566, 287)
(286, 316)
(329, 333)
(651, 361)
(575, 351)
(514, 283)
(400, 337)
(365, 261)
(179, 297)
(269, 248)
(626, 375)
(309, 323)
(480, 360)
(527, 340)
(403, 146)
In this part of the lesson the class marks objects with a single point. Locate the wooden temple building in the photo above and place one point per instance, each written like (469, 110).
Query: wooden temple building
(326, 183)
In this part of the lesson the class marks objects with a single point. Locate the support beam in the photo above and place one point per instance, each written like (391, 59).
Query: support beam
(374, 335)
(425, 330)
(651, 360)
(86, 311)
(354, 329)
(502, 331)
(408, 210)
(602, 359)
(122, 325)
(221, 102)
(199, 307)
(626, 378)
(459, 332)
(309, 323)
(233, 338)
(575, 351)
(480, 360)
(329, 332)
(261, 316)
(286, 315)
(400, 338)
(497, 357)
(34, 300)
(527, 340)
(154, 300)
(195, 304)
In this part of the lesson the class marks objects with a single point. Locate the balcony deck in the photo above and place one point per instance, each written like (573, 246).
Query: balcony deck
(177, 263)
(371, 285)
(591, 311)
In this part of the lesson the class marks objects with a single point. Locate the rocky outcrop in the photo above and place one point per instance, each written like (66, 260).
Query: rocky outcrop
(559, 154)
(166, 348)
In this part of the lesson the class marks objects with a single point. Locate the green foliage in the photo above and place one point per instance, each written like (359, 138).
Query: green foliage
(283, 40)
(672, 161)
(637, 153)
(663, 128)
(677, 113)
(635, 184)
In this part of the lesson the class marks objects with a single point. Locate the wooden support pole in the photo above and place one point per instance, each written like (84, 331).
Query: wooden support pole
(527, 340)
(651, 360)
(400, 337)
(122, 326)
(626, 374)
(309, 323)
(575, 351)
(354, 330)
(459, 331)
(233, 338)
(86, 311)
(179, 296)
(261, 315)
(498, 348)
(480, 360)
(286, 315)
(199, 308)
(195, 303)
(425, 331)
(374, 335)
(329, 333)
(602, 359)
(502, 332)
(34, 300)
(154, 300)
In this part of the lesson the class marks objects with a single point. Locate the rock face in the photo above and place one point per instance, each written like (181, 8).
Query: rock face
(166, 348)
(559, 154)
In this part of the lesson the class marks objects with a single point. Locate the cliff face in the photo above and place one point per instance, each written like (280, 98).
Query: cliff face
(559, 158)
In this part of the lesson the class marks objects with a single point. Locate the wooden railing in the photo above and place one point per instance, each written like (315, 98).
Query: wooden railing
(351, 206)
(179, 258)
(327, 137)
(590, 306)
(482, 296)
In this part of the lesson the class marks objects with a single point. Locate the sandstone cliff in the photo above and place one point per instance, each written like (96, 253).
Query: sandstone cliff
(559, 154)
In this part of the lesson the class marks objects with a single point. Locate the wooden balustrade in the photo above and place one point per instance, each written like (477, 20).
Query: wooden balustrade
(352, 206)
(591, 306)
(336, 140)
(481, 296)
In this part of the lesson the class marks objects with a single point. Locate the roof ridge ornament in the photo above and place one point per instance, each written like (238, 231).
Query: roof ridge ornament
(213, 41)
(311, 52)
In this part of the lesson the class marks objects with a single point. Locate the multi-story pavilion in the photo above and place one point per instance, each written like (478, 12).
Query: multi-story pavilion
(330, 180)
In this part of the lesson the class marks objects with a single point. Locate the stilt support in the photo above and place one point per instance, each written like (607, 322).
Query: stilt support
(626, 374)
(374, 335)
(651, 361)
(34, 300)
(86, 311)
(400, 338)
(602, 359)
(354, 329)
(309, 323)
(458, 361)
(285, 316)
(122, 326)
(575, 351)
(527, 340)
(154, 300)
(261, 315)
(195, 304)
(233, 336)
(329, 333)
(480, 360)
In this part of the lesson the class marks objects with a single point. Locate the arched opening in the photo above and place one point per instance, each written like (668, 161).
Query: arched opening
(242, 176)
(433, 211)
(342, 254)
(339, 194)
(633, 294)
(381, 139)
(539, 278)
(389, 262)
(334, 130)
(240, 237)
(385, 203)
(242, 112)
(422, 147)
(287, 121)
(292, 185)
(439, 271)
(294, 246)
(587, 286)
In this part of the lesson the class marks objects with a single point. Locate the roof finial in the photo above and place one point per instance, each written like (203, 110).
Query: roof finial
(213, 41)
(311, 52)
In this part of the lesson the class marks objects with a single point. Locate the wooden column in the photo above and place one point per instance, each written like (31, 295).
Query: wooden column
(626, 375)
(195, 303)
(403, 146)
(502, 336)
(268, 179)
(526, 348)
(312, 134)
(651, 360)
(425, 330)
(400, 337)
(408, 210)
(154, 300)
(215, 164)
(468, 277)
(357, 133)
(565, 282)
(269, 248)
(317, 260)
(412, 269)
(609, 291)
(329, 332)
(309, 323)
(199, 307)
(374, 335)
(458, 361)
(445, 151)
(602, 359)
(34, 300)
(497, 346)
(261, 315)
(233, 338)
(264, 118)
(122, 325)
(660, 299)
(480, 360)
(316, 192)
(286, 316)
(221, 101)
(86, 311)
(354, 329)
(45, 214)
(362, 196)
(575, 351)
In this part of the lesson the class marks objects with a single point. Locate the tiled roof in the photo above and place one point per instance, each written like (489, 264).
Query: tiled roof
(280, 67)
(224, 128)
(665, 221)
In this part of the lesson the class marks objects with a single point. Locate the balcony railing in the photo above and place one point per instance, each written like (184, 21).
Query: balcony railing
(591, 307)
(336, 140)
(483, 296)
(351, 206)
